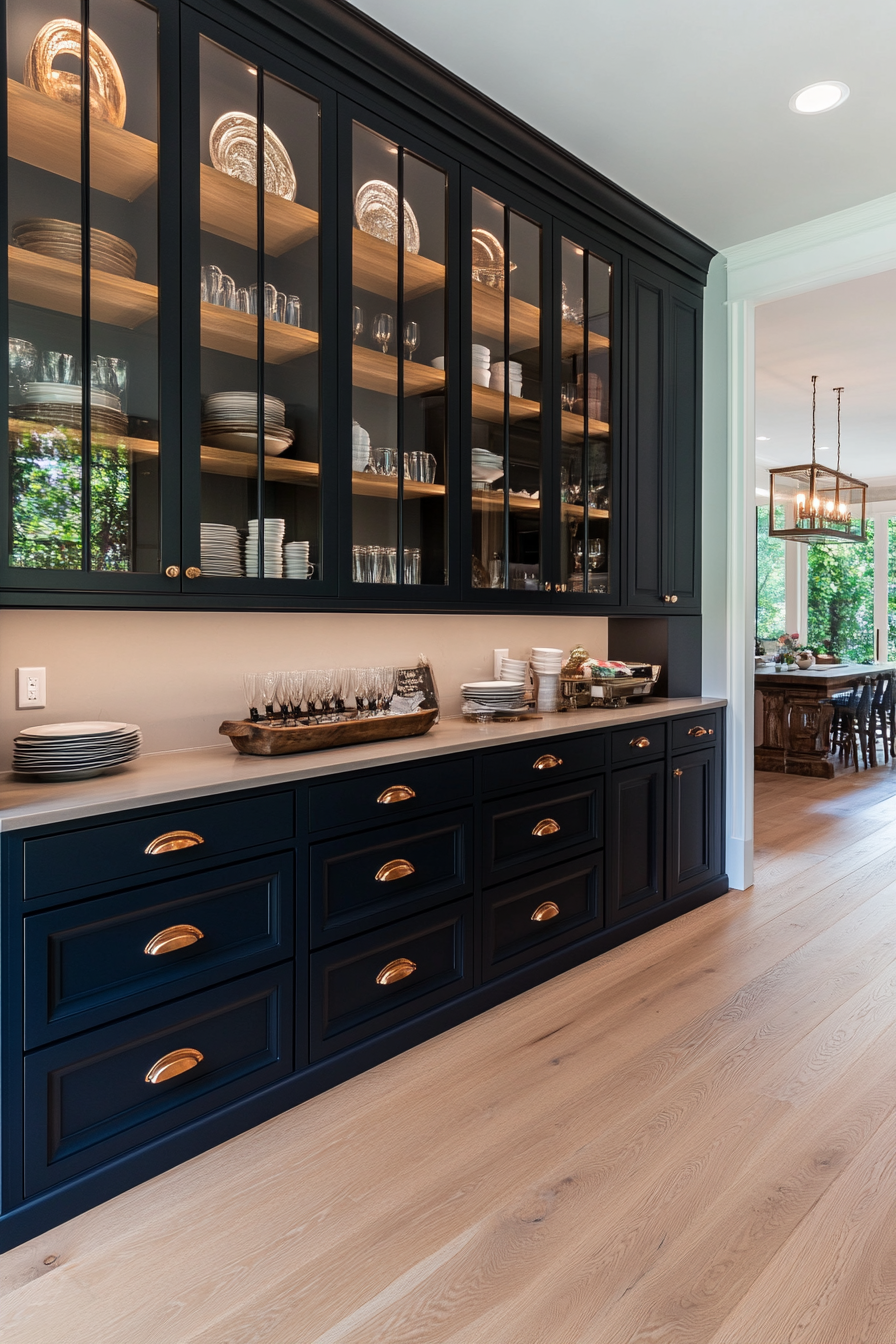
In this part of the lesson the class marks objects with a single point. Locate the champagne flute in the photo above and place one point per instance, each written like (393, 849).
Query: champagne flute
(411, 338)
(269, 692)
(383, 330)
(357, 322)
(250, 690)
(326, 691)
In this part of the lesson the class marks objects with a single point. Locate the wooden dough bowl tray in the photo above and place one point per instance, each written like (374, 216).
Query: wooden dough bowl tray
(277, 739)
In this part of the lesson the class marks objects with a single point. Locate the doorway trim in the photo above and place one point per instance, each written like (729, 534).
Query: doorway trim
(826, 251)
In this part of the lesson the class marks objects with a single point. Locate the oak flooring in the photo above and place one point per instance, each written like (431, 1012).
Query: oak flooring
(690, 1139)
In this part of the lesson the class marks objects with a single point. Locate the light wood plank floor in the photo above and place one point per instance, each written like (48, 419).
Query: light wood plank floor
(691, 1139)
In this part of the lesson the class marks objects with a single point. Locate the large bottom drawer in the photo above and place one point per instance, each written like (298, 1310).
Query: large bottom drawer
(93, 1097)
(374, 981)
(526, 919)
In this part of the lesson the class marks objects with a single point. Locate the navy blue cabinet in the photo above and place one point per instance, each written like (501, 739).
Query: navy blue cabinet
(155, 1004)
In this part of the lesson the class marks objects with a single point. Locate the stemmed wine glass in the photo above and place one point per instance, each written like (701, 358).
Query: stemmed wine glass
(312, 691)
(344, 684)
(360, 688)
(250, 690)
(357, 322)
(411, 338)
(269, 692)
(388, 687)
(326, 691)
(383, 330)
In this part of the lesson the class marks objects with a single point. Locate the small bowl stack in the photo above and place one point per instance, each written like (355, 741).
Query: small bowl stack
(295, 554)
(481, 360)
(546, 664)
(492, 697)
(230, 420)
(496, 378)
(515, 669)
(61, 751)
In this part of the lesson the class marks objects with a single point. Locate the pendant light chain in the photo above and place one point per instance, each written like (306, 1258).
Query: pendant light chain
(814, 381)
(838, 390)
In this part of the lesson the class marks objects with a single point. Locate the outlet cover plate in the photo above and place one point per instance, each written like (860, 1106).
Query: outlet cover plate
(31, 684)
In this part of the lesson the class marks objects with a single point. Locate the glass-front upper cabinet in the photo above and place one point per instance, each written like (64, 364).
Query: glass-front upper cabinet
(585, 459)
(83, 256)
(399, 366)
(507, 430)
(258, 288)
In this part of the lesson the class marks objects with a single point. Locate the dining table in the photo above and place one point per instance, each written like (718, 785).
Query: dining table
(797, 713)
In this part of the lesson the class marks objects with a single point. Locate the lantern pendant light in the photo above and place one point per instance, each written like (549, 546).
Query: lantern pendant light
(815, 503)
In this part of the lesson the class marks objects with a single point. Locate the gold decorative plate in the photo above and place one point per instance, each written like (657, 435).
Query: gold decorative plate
(376, 210)
(62, 37)
(488, 259)
(232, 146)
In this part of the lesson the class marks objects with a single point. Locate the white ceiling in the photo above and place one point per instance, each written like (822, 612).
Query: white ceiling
(847, 335)
(685, 104)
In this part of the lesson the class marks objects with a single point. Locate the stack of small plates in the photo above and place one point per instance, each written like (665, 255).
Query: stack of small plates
(60, 404)
(295, 553)
(60, 751)
(493, 695)
(230, 420)
(486, 466)
(221, 549)
(496, 379)
(61, 239)
(274, 530)
(481, 360)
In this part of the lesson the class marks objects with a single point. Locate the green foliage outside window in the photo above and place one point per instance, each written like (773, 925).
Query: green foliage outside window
(841, 597)
(46, 502)
(769, 579)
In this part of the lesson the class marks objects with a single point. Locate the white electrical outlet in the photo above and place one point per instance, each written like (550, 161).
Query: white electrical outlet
(32, 687)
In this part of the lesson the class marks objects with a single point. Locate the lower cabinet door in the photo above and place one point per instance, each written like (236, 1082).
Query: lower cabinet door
(694, 849)
(635, 848)
(97, 1095)
(374, 981)
(526, 919)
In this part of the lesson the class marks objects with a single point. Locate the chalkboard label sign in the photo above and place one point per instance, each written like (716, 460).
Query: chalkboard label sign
(410, 680)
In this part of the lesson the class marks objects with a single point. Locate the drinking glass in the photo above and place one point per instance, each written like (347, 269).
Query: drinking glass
(211, 284)
(412, 564)
(383, 330)
(269, 692)
(250, 690)
(293, 310)
(228, 292)
(58, 367)
(242, 300)
(358, 322)
(428, 466)
(22, 360)
(411, 338)
(327, 691)
(280, 309)
(359, 689)
(388, 687)
(312, 684)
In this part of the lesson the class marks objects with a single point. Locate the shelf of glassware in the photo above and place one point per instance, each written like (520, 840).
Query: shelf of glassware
(492, 501)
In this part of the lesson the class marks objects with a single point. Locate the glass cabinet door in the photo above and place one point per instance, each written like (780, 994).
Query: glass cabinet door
(258, 290)
(399, 374)
(83, 256)
(507, 443)
(584, 504)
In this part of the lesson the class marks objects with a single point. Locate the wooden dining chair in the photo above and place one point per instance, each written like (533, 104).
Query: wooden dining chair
(853, 713)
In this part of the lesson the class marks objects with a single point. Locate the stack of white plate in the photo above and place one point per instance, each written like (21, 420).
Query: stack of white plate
(481, 359)
(493, 695)
(221, 549)
(546, 664)
(274, 530)
(496, 378)
(295, 553)
(486, 466)
(60, 751)
(60, 403)
(230, 420)
(360, 447)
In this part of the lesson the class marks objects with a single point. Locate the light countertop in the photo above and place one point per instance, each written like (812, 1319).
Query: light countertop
(170, 777)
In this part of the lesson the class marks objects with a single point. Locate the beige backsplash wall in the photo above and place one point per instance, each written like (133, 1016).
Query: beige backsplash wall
(178, 674)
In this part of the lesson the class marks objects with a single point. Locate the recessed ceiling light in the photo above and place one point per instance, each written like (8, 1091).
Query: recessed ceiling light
(823, 450)
(819, 97)
(760, 491)
(762, 438)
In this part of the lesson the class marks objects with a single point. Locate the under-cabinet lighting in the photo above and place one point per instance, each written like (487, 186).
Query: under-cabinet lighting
(814, 98)
(762, 438)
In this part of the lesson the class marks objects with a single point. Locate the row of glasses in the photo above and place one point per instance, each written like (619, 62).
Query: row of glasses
(417, 466)
(379, 564)
(220, 289)
(279, 697)
(382, 331)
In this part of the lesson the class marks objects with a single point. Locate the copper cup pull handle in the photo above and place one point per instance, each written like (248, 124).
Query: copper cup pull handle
(640, 742)
(170, 1065)
(546, 827)
(396, 793)
(700, 731)
(396, 970)
(394, 869)
(547, 763)
(547, 910)
(164, 844)
(169, 940)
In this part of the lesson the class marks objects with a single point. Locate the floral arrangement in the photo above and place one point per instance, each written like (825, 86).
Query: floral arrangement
(788, 647)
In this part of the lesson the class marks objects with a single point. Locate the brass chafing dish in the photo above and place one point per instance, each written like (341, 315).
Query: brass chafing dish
(579, 690)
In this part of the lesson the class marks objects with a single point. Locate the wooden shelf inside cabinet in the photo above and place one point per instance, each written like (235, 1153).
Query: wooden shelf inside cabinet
(379, 373)
(492, 501)
(47, 282)
(236, 333)
(228, 208)
(572, 427)
(386, 487)
(488, 404)
(525, 323)
(375, 268)
(47, 134)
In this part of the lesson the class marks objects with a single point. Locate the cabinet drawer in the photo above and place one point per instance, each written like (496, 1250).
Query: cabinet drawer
(104, 853)
(361, 881)
(89, 1099)
(89, 963)
(348, 1000)
(533, 828)
(542, 763)
(641, 742)
(389, 795)
(697, 730)
(568, 900)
